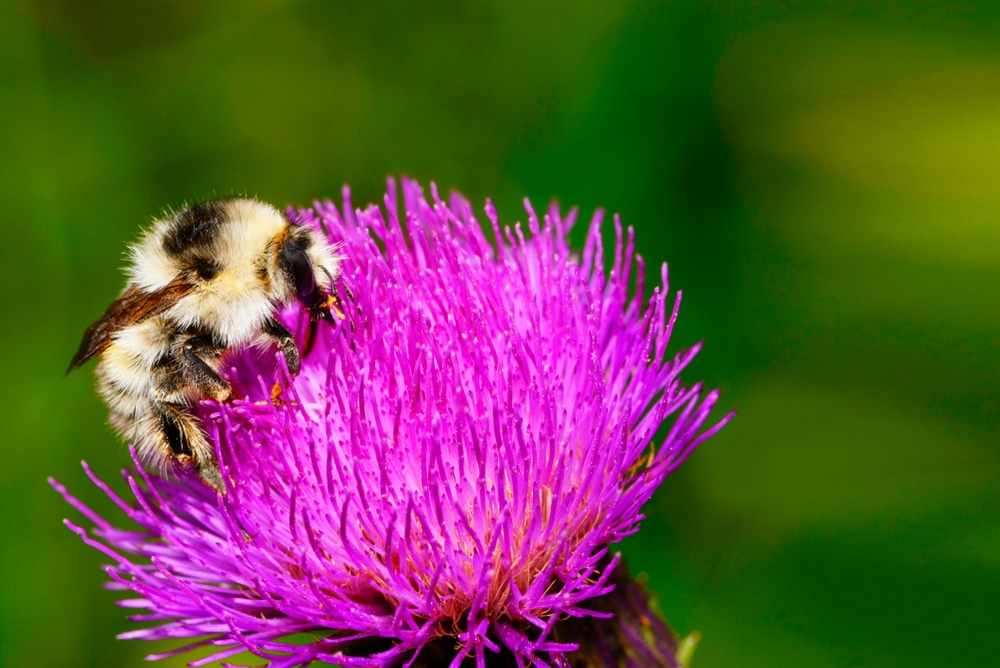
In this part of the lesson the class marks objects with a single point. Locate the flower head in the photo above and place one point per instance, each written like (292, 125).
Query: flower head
(449, 468)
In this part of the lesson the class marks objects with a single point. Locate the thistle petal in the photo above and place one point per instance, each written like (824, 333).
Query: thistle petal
(443, 478)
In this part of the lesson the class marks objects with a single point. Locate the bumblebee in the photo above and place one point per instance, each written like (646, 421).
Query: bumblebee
(202, 282)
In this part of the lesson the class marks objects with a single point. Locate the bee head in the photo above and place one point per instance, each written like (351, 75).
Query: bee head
(308, 265)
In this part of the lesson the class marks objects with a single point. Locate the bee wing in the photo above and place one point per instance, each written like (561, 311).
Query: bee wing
(131, 308)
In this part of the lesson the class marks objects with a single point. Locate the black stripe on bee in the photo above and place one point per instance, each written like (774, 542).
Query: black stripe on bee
(174, 434)
(195, 228)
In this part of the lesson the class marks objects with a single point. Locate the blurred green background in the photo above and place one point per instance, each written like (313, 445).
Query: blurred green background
(822, 178)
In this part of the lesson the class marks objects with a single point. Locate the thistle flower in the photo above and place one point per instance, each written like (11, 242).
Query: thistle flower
(443, 479)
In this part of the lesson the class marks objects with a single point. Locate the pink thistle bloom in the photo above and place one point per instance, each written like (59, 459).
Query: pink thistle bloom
(442, 481)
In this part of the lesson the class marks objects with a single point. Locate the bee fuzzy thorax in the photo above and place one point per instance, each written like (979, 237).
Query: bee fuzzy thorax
(200, 282)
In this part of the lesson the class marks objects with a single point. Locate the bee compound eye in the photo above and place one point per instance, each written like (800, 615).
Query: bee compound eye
(296, 265)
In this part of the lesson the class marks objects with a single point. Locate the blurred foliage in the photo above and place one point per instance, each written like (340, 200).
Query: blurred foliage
(820, 175)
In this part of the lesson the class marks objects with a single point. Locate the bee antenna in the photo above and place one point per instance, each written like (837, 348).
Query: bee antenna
(333, 284)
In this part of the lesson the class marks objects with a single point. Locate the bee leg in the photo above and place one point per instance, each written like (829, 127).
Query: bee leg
(276, 331)
(307, 346)
(210, 474)
(197, 370)
(188, 446)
